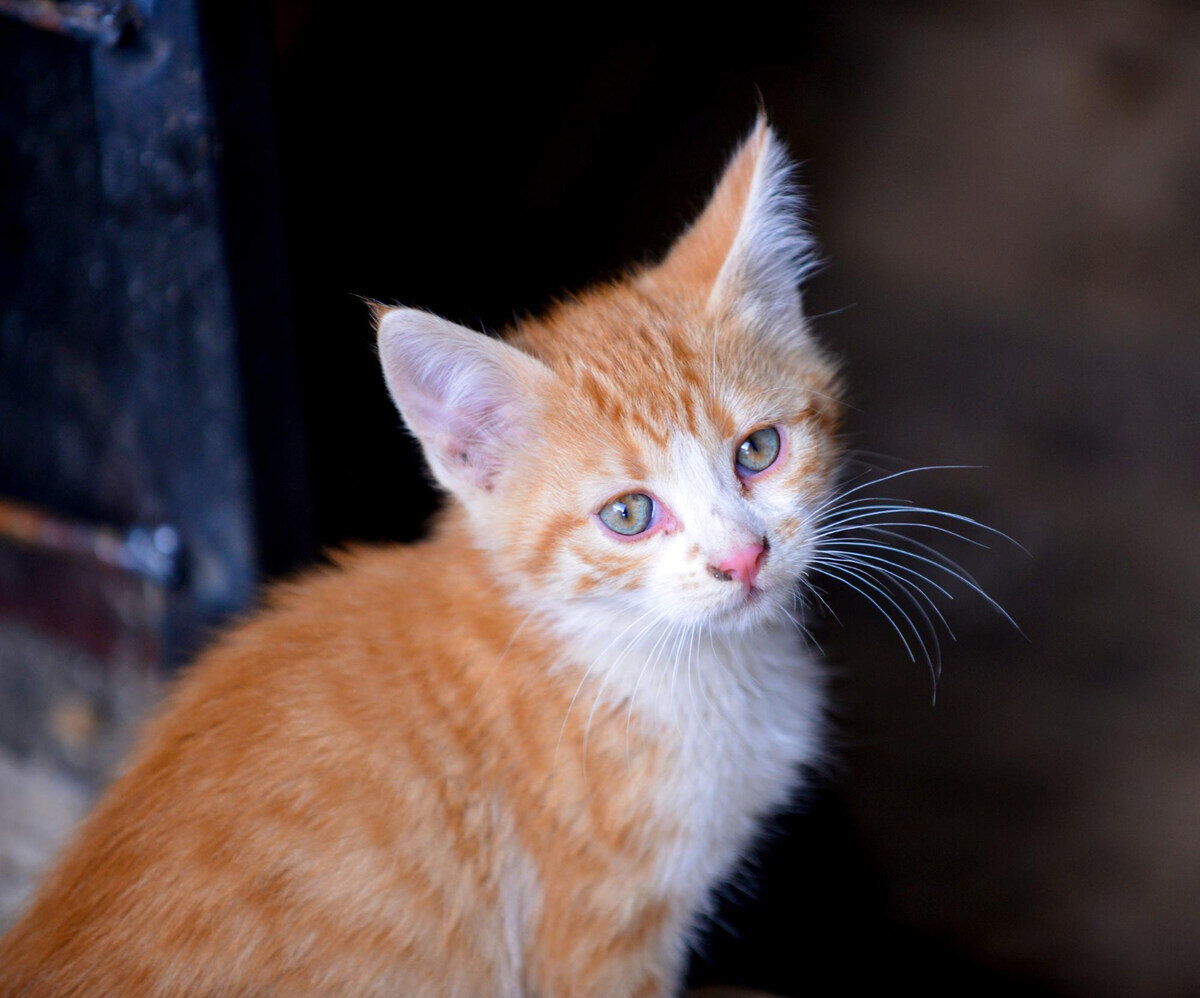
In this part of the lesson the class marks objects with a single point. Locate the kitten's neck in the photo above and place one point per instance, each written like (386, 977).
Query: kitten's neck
(667, 672)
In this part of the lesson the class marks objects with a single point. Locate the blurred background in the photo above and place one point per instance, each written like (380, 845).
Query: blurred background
(194, 196)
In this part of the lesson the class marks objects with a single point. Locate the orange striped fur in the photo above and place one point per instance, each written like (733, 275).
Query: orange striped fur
(513, 759)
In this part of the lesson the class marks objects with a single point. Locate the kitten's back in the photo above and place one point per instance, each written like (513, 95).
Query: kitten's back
(353, 719)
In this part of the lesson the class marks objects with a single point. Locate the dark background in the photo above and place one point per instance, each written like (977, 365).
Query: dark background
(1009, 200)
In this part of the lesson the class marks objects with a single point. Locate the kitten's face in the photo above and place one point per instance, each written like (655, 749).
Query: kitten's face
(656, 447)
(714, 441)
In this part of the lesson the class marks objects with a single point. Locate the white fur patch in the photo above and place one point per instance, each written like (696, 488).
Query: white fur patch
(737, 715)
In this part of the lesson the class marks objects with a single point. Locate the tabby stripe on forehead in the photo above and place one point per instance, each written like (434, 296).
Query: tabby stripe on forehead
(602, 397)
(689, 413)
(652, 430)
(633, 467)
(722, 418)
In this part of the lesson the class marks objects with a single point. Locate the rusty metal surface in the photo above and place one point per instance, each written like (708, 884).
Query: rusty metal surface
(120, 390)
(122, 437)
(152, 551)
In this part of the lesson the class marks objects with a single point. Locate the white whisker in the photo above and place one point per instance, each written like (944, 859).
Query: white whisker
(909, 509)
(928, 549)
(895, 564)
(970, 584)
(911, 591)
(836, 529)
(829, 570)
(896, 474)
(916, 631)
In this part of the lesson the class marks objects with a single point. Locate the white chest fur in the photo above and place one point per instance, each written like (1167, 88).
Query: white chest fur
(738, 716)
(738, 756)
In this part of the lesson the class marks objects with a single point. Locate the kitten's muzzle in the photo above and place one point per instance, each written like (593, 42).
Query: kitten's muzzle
(743, 564)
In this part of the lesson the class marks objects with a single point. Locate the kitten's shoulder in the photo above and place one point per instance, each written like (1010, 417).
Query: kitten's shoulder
(372, 607)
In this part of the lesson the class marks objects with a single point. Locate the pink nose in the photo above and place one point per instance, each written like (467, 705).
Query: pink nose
(741, 565)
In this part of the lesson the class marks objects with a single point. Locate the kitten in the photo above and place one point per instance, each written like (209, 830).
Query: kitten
(515, 758)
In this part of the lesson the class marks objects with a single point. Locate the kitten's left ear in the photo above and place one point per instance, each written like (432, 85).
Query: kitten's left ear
(748, 251)
(467, 397)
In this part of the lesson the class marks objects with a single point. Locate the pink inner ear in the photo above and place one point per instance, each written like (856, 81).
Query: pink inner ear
(463, 394)
(473, 443)
(467, 439)
(465, 414)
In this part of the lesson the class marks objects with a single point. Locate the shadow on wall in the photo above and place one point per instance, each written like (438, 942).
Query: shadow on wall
(1011, 201)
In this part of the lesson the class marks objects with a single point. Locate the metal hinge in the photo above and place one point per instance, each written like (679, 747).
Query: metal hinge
(154, 552)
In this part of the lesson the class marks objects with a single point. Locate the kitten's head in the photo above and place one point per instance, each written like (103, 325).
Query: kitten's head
(657, 445)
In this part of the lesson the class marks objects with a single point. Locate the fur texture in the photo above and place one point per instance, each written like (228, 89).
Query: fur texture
(516, 758)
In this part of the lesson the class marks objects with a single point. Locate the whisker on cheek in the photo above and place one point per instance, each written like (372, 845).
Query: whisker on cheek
(861, 542)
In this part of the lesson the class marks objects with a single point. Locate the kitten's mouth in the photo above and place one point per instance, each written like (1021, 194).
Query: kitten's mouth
(746, 606)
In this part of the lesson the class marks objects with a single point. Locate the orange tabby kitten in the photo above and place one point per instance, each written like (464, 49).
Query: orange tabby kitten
(516, 758)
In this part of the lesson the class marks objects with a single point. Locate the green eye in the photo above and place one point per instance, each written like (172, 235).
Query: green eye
(759, 450)
(628, 514)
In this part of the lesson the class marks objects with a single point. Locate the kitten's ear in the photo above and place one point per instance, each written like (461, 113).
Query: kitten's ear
(747, 251)
(466, 396)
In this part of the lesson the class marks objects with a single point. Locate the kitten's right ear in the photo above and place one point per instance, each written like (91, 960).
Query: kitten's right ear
(748, 251)
(466, 396)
